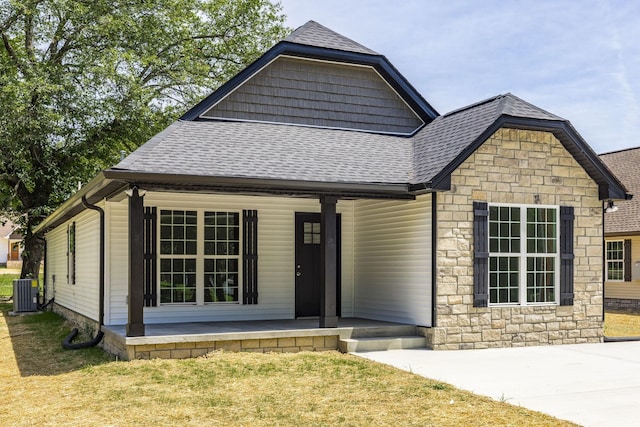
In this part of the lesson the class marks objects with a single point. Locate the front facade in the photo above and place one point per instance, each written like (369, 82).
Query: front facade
(622, 235)
(318, 184)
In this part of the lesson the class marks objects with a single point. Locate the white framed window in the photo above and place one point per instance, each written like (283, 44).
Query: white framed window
(615, 260)
(524, 254)
(221, 256)
(199, 257)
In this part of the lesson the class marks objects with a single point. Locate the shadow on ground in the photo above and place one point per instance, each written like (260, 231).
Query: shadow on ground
(34, 341)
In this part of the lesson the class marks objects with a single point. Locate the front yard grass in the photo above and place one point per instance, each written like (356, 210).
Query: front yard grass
(6, 284)
(620, 323)
(47, 385)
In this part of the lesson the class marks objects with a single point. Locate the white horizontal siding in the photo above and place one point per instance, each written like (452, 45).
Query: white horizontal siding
(392, 243)
(276, 258)
(117, 261)
(82, 296)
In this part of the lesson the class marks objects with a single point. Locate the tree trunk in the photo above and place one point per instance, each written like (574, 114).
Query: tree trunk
(31, 255)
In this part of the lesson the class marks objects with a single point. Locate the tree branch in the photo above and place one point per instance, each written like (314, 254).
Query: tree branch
(12, 53)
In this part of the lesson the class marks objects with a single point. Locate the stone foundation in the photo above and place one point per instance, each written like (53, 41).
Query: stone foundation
(83, 323)
(622, 304)
(182, 348)
(185, 350)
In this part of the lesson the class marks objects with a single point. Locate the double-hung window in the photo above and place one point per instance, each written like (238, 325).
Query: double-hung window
(221, 256)
(199, 256)
(615, 260)
(524, 255)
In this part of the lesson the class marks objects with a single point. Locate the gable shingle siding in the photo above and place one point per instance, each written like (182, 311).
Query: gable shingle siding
(314, 93)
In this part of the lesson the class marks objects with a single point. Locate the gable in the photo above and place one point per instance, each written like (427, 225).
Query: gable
(318, 93)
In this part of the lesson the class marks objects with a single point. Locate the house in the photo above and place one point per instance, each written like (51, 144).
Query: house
(10, 245)
(622, 235)
(318, 187)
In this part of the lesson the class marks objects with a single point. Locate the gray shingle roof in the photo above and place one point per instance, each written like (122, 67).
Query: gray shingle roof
(444, 139)
(314, 34)
(625, 164)
(273, 151)
(286, 152)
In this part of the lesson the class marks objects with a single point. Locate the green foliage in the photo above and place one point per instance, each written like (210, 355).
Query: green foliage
(81, 80)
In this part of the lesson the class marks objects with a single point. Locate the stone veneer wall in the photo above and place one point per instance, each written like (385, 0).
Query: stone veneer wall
(185, 350)
(622, 304)
(517, 166)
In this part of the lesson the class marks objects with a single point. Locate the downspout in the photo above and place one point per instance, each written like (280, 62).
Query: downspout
(604, 268)
(42, 306)
(67, 344)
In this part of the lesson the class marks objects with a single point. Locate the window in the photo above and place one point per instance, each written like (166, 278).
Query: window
(178, 250)
(71, 253)
(191, 260)
(524, 257)
(222, 252)
(615, 260)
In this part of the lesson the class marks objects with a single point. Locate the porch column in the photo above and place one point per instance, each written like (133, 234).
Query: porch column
(135, 321)
(328, 268)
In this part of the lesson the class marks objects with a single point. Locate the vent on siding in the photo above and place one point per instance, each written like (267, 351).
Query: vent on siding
(25, 295)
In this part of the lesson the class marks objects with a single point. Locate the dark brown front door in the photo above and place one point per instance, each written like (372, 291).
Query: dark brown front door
(14, 254)
(307, 268)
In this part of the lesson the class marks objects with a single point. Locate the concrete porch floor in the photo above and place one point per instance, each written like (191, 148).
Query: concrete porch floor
(181, 340)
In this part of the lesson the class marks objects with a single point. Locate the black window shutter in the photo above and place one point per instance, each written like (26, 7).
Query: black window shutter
(480, 254)
(627, 260)
(250, 256)
(566, 255)
(150, 257)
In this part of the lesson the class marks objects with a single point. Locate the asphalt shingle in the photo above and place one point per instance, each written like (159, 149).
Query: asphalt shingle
(626, 166)
(299, 153)
(314, 34)
(273, 151)
(444, 139)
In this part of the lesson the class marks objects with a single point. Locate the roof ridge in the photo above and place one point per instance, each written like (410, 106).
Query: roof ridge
(474, 105)
(619, 151)
(314, 34)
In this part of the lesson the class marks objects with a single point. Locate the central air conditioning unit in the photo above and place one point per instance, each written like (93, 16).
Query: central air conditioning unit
(25, 295)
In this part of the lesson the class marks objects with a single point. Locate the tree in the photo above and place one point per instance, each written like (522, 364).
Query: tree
(81, 80)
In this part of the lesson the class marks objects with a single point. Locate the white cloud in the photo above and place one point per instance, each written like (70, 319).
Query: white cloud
(577, 59)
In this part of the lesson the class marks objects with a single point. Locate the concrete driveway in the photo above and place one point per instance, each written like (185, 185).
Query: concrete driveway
(589, 384)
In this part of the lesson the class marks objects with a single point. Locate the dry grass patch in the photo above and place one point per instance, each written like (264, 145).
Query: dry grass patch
(620, 323)
(222, 388)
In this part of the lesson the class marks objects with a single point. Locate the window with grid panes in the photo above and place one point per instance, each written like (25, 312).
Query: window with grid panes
(523, 254)
(221, 256)
(178, 254)
(615, 260)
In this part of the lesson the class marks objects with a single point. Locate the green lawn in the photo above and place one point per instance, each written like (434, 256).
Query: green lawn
(47, 385)
(6, 284)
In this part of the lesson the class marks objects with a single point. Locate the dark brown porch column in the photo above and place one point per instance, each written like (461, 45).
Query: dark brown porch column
(135, 322)
(328, 257)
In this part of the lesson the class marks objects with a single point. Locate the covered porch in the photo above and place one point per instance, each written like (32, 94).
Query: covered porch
(193, 339)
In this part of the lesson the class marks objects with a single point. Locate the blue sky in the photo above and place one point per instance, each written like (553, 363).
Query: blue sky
(577, 59)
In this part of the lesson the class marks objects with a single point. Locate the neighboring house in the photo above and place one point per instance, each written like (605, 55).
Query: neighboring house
(319, 183)
(622, 234)
(10, 245)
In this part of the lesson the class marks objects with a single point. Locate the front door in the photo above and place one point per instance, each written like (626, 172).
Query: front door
(14, 253)
(307, 268)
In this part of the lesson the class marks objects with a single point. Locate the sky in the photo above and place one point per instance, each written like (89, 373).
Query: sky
(577, 59)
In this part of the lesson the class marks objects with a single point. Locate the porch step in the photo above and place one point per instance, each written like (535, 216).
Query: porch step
(352, 345)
